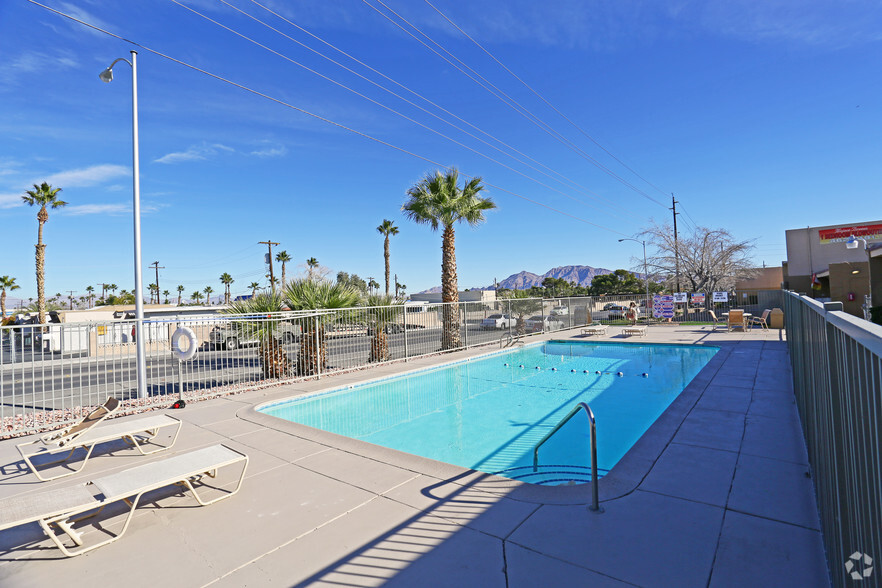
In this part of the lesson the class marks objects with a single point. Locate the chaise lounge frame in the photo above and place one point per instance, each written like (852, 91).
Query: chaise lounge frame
(134, 432)
(61, 508)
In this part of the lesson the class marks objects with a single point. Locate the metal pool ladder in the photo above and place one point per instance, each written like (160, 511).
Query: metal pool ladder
(596, 502)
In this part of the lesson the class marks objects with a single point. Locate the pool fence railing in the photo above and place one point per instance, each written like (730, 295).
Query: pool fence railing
(836, 361)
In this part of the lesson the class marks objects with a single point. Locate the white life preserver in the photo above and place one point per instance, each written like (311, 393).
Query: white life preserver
(190, 351)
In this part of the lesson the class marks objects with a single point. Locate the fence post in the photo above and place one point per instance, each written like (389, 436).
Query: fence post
(464, 307)
(405, 334)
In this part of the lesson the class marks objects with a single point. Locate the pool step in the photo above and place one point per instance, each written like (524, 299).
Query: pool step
(551, 475)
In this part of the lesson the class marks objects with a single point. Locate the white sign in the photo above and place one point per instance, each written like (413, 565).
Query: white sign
(721, 297)
(680, 297)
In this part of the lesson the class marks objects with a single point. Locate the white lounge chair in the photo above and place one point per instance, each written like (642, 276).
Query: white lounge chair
(61, 508)
(635, 330)
(87, 435)
(597, 329)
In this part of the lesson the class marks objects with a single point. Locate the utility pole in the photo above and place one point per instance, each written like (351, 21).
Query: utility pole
(155, 265)
(396, 286)
(272, 276)
(70, 298)
(676, 246)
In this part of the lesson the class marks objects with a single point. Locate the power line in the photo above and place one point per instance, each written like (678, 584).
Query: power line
(381, 105)
(541, 97)
(508, 100)
(315, 116)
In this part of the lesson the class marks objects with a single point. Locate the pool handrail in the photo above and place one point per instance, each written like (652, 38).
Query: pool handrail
(595, 506)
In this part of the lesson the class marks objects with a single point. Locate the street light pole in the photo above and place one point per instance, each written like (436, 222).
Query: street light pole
(645, 270)
(852, 243)
(106, 76)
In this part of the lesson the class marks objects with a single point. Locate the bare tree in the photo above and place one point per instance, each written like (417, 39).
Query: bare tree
(711, 260)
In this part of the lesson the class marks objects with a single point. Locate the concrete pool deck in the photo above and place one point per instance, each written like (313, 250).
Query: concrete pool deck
(718, 493)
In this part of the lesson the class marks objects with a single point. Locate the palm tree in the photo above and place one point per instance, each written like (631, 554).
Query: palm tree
(113, 288)
(311, 264)
(520, 304)
(274, 358)
(226, 279)
(382, 313)
(90, 295)
(254, 286)
(208, 290)
(437, 201)
(44, 195)
(165, 294)
(6, 283)
(180, 290)
(386, 229)
(154, 290)
(372, 285)
(283, 258)
(309, 294)
(196, 296)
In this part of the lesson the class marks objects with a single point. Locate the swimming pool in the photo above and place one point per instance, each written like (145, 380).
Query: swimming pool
(488, 413)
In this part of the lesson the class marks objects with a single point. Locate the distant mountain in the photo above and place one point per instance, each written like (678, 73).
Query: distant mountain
(574, 274)
(578, 274)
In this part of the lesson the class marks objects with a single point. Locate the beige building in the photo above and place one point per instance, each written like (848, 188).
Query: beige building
(840, 273)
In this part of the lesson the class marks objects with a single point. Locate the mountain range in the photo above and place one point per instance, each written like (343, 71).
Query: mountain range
(578, 274)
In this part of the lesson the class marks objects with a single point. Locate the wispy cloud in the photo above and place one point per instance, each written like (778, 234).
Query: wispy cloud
(108, 209)
(195, 153)
(87, 176)
(13, 69)
(277, 151)
(10, 200)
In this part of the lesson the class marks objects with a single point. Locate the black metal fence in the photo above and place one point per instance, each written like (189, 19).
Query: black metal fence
(837, 380)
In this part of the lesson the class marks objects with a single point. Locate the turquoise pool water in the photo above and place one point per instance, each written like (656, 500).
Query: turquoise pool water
(488, 414)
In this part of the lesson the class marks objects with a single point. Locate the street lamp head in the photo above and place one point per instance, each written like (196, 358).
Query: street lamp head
(107, 75)
(852, 243)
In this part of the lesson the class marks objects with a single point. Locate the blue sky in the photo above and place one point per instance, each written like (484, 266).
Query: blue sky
(758, 116)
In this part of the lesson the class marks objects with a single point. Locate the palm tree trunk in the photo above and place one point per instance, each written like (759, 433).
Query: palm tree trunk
(2, 304)
(386, 255)
(283, 276)
(312, 352)
(275, 358)
(379, 344)
(449, 291)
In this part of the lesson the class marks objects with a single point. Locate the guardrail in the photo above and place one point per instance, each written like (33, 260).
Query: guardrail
(837, 380)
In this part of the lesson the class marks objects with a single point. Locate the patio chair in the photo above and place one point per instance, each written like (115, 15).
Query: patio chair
(597, 329)
(634, 330)
(736, 320)
(717, 321)
(761, 320)
(62, 508)
(86, 435)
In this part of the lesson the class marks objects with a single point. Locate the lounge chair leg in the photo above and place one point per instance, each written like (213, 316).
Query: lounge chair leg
(46, 524)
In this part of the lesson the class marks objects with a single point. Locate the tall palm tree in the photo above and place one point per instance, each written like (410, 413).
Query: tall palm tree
(6, 283)
(165, 294)
(309, 294)
(196, 296)
(254, 286)
(154, 291)
(311, 265)
(90, 290)
(208, 290)
(180, 290)
(44, 195)
(283, 258)
(113, 288)
(438, 201)
(226, 279)
(386, 229)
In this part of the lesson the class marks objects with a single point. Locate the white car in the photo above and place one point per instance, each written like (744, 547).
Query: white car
(496, 321)
(544, 323)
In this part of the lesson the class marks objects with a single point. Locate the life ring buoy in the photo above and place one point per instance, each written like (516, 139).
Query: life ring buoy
(190, 351)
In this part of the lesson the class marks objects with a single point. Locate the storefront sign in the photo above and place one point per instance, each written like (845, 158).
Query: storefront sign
(841, 235)
(721, 297)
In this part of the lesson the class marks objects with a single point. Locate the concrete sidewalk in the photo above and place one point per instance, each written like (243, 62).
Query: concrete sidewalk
(717, 493)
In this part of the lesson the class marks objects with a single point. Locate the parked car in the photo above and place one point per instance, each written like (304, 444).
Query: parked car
(543, 323)
(229, 337)
(389, 328)
(496, 321)
(611, 312)
(560, 310)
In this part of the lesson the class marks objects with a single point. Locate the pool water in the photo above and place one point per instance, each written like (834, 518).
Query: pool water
(489, 413)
